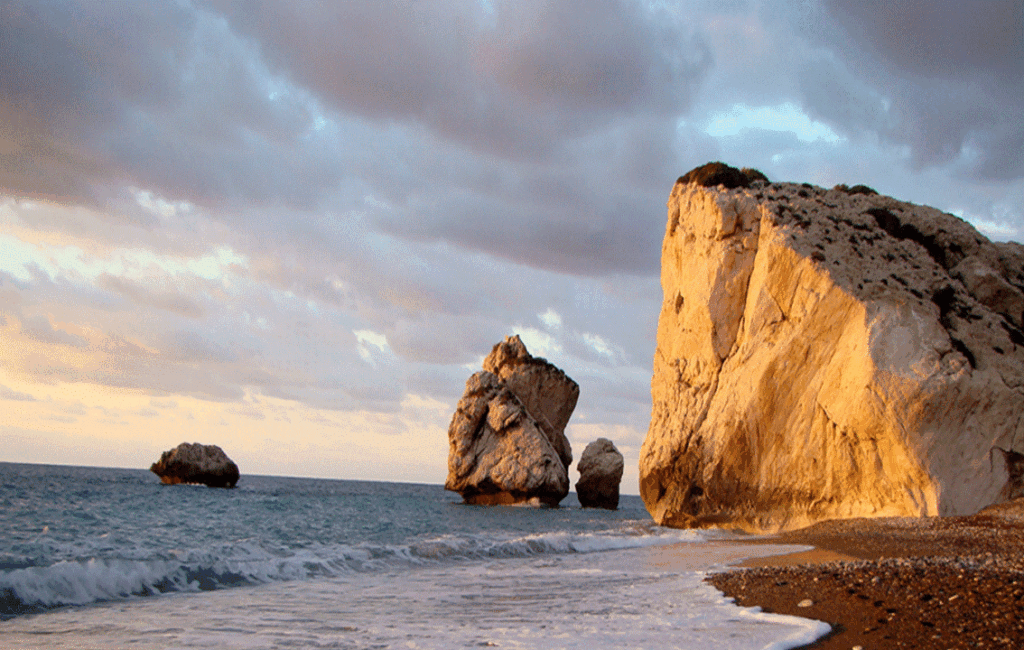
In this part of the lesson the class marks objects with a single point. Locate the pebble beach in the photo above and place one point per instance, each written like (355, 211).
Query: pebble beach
(934, 583)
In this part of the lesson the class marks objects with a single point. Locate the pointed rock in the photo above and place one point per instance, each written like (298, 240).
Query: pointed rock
(546, 392)
(506, 439)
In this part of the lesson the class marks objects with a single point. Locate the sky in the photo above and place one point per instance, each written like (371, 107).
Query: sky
(294, 229)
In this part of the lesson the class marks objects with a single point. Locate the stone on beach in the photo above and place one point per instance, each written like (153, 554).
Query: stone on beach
(936, 583)
(600, 469)
(826, 354)
(196, 463)
(507, 439)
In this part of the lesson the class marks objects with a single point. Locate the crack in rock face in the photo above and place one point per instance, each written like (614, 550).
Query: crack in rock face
(1014, 464)
(827, 353)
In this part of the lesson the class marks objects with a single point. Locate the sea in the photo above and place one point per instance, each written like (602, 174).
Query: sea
(111, 558)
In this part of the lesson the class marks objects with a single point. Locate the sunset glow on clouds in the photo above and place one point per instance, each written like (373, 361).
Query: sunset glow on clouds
(294, 229)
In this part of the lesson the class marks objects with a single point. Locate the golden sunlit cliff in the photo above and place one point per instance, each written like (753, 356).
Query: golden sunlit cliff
(826, 354)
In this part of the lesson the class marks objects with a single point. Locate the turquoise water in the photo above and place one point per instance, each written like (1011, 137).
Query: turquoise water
(93, 557)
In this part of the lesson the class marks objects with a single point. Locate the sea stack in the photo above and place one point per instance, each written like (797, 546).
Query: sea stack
(196, 463)
(600, 469)
(507, 441)
(829, 353)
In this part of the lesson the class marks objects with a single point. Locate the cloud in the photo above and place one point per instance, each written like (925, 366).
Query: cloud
(172, 301)
(292, 110)
(593, 57)
(441, 338)
(941, 38)
(9, 394)
(41, 328)
(508, 82)
(166, 99)
(588, 210)
(55, 100)
(950, 74)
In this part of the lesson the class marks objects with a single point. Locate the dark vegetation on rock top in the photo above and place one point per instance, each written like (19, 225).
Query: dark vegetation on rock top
(717, 173)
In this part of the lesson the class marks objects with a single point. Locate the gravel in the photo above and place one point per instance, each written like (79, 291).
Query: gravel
(939, 583)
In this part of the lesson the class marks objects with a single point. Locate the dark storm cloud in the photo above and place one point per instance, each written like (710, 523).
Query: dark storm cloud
(594, 206)
(941, 38)
(545, 221)
(950, 76)
(549, 128)
(834, 94)
(65, 71)
(593, 56)
(391, 59)
(510, 83)
(541, 133)
(155, 94)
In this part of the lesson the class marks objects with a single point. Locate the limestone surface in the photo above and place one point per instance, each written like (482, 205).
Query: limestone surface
(829, 353)
(507, 439)
(600, 469)
(545, 391)
(196, 463)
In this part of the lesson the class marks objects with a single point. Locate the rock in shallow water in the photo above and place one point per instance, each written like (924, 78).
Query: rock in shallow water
(600, 469)
(826, 353)
(196, 463)
(507, 439)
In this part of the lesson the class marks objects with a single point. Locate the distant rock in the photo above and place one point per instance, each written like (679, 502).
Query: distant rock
(600, 469)
(827, 354)
(507, 439)
(196, 463)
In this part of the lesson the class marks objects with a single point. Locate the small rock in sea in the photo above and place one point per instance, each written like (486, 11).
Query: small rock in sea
(806, 602)
(600, 469)
(196, 463)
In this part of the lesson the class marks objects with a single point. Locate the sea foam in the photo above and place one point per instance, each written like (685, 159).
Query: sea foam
(96, 580)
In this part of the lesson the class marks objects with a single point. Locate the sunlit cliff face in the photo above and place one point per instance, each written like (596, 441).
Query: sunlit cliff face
(828, 354)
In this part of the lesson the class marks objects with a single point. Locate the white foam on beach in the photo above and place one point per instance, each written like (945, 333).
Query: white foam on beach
(637, 598)
(247, 562)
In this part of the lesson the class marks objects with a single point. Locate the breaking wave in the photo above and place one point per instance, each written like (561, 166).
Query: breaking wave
(30, 589)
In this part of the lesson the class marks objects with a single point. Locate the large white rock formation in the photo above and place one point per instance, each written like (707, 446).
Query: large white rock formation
(829, 353)
(507, 439)
(196, 463)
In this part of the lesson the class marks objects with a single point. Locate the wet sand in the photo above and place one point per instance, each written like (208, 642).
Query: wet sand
(942, 583)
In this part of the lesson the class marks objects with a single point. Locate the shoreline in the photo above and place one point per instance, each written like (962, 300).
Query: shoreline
(939, 582)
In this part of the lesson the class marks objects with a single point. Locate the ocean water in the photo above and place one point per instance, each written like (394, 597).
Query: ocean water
(110, 558)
